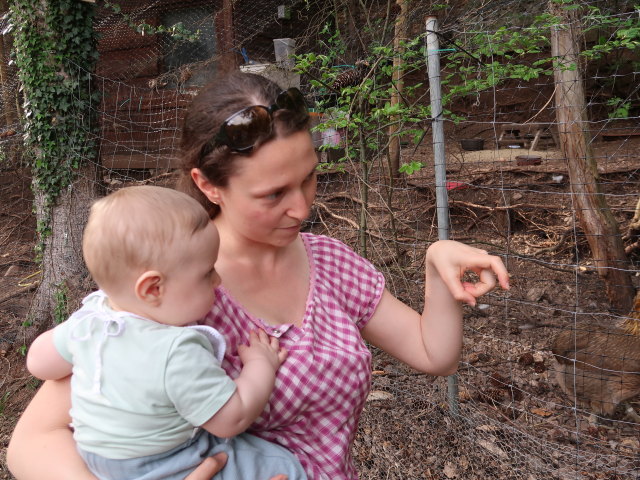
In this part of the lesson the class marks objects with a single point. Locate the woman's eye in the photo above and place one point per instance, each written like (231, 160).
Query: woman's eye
(274, 195)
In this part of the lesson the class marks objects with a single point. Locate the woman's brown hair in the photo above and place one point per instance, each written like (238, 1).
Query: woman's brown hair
(218, 100)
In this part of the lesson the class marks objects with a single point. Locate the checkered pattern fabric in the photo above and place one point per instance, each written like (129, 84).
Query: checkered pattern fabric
(322, 386)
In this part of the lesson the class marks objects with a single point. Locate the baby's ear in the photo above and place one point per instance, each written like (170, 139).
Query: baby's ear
(149, 287)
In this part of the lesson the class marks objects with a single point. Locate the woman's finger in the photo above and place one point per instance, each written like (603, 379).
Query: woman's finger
(457, 288)
(501, 272)
(486, 283)
(494, 264)
(208, 468)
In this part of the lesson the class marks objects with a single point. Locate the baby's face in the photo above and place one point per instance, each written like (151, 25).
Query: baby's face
(190, 285)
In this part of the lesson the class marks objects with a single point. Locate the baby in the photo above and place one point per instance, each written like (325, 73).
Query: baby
(141, 380)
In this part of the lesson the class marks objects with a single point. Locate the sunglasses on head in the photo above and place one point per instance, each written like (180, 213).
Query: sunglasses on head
(242, 130)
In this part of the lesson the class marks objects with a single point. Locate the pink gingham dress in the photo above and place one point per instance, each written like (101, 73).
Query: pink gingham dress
(322, 386)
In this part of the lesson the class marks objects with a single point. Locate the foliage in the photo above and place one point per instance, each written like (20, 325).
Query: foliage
(55, 48)
(177, 31)
(4, 399)
(364, 109)
(61, 305)
(623, 32)
(620, 108)
(479, 62)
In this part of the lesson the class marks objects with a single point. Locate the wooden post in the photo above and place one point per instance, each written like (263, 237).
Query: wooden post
(225, 34)
(596, 219)
(396, 80)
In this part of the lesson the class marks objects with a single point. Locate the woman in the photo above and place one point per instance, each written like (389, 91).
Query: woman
(248, 157)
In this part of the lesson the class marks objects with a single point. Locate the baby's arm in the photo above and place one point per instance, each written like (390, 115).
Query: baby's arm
(261, 359)
(44, 361)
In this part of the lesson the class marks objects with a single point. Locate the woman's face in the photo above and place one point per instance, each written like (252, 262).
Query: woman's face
(271, 192)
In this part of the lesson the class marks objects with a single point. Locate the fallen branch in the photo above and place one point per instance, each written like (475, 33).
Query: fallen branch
(336, 216)
(17, 293)
(506, 207)
(349, 221)
(554, 248)
(346, 196)
(521, 256)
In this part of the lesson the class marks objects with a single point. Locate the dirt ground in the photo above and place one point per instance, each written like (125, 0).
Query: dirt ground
(513, 421)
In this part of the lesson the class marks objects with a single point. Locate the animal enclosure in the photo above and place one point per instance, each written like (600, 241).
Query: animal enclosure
(525, 409)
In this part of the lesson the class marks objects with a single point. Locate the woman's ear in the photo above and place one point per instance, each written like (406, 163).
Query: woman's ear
(149, 287)
(205, 186)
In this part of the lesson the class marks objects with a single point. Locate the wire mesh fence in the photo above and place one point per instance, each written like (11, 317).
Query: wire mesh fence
(527, 410)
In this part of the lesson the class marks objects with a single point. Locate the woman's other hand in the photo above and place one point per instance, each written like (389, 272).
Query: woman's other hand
(208, 468)
(212, 465)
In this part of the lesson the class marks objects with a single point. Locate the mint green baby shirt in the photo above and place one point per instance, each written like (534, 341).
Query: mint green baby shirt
(138, 387)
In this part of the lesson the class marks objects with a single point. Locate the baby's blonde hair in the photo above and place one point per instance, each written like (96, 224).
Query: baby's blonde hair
(134, 228)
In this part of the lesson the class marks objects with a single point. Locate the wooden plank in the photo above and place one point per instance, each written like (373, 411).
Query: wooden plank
(122, 37)
(140, 123)
(123, 99)
(130, 148)
(139, 147)
(130, 63)
(609, 136)
(137, 136)
(139, 162)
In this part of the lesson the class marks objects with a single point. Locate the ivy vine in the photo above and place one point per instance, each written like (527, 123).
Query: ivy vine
(55, 52)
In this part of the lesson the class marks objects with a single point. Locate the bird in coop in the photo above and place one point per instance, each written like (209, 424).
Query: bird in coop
(351, 77)
(600, 366)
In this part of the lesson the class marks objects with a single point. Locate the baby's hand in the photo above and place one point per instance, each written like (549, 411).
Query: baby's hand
(450, 260)
(262, 348)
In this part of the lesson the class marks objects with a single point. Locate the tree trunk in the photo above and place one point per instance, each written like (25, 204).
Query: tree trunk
(55, 54)
(65, 279)
(590, 203)
(396, 97)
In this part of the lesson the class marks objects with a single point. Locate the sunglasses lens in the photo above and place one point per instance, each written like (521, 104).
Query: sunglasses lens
(242, 130)
(292, 99)
(247, 126)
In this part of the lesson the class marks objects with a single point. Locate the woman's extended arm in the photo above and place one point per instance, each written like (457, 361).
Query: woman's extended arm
(42, 444)
(432, 342)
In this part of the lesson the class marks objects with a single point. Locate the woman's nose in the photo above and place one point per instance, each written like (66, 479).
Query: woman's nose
(299, 206)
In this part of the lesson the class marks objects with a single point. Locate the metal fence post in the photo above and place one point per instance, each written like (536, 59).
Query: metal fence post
(442, 201)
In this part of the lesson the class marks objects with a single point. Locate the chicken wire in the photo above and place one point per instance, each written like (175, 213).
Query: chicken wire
(514, 421)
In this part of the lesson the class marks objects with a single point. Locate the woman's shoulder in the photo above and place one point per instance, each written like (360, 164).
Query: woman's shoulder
(323, 243)
(331, 254)
(342, 276)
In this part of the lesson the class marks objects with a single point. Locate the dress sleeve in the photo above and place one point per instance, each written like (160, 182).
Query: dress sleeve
(195, 382)
(350, 279)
